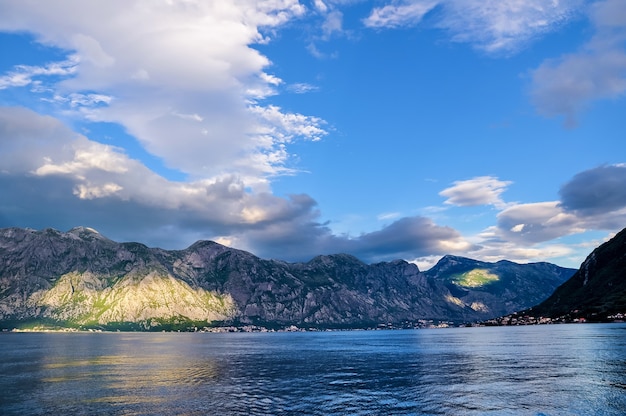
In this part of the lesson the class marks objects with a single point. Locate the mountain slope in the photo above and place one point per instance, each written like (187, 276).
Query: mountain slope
(498, 288)
(596, 291)
(82, 279)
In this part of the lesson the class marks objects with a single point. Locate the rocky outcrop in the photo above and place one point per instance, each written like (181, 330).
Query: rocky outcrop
(81, 278)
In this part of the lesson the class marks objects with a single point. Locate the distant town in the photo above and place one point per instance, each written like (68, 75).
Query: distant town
(518, 319)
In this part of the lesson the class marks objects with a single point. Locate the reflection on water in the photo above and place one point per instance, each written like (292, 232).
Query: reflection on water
(549, 370)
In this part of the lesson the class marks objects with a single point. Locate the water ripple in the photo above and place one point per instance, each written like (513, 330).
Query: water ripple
(565, 370)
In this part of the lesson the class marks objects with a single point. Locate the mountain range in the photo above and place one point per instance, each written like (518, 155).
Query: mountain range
(82, 279)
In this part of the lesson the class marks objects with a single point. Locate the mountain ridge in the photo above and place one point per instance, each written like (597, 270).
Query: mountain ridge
(80, 278)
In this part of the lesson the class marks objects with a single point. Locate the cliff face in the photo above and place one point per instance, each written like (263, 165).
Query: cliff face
(597, 290)
(81, 278)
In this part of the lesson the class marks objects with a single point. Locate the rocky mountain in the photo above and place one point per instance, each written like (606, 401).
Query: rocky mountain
(82, 279)
(498, 288)
(596, 292)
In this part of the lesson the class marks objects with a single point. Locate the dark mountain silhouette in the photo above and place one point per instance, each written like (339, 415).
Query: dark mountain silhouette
(597, 291)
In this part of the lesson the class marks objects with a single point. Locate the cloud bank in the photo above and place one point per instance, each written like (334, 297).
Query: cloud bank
(187, 83)
(592, 200)
(52, 176)
(183, 79)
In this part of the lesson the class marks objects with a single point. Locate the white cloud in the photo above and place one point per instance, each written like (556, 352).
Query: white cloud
(494, 26)
(76, 101)
(482, 190)
(24, 75)
(317, 53)
(302, 88)
(320, 5)
(41, 147)
(505, 26)
(89, 191)
(592, 200)
(87, 155)
(187, 82)
(90, 50)
(284, 127)
(333, 23)
(183, 79)
(426, 262)
(399, 13)
(565, 86)
(49, 173)
(388, 216)
(493, 251)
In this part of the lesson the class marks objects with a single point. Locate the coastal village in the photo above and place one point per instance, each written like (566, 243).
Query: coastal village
(519, 319)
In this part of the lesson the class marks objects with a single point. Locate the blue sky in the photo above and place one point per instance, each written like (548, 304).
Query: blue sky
(491, 129)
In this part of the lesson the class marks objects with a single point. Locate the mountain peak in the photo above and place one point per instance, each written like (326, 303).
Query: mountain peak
(332, 260)
(86, 233)
(449, 261)
(81, 229)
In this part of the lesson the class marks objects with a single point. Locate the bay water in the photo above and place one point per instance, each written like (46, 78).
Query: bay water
(577, 369)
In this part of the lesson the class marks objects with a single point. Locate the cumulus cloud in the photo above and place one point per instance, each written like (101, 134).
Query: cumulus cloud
(595, 191)
(482, 190)
(320, 5)
(537, 222)
(567, 85)
(41, 149)
(592, 200)
(186, 82)
(175, 58)
(53, 177)
(494, 26)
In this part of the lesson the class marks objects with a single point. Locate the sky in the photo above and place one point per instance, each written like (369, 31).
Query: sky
(391, 129)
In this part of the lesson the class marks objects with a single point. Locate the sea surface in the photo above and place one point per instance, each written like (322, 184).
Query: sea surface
(577, 369)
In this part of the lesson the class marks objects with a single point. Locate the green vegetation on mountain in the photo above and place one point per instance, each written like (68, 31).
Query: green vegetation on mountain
(497, 288)
(475, 278)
